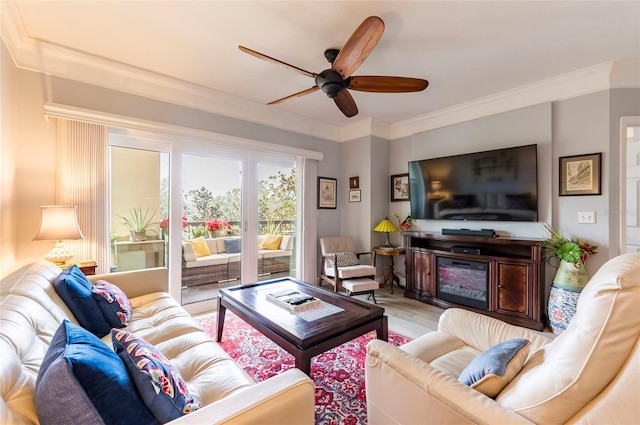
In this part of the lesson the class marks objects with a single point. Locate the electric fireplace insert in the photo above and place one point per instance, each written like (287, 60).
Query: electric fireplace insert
(463, 282)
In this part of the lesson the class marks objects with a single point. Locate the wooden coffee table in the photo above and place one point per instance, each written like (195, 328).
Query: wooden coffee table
(305, 334)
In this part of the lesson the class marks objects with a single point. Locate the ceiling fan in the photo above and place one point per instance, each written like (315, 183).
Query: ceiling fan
(335, 80)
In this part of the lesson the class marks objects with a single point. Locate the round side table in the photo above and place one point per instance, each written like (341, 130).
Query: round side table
(389, 252)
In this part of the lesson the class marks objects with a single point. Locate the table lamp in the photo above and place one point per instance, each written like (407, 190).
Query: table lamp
(58, 223)
(386, 226)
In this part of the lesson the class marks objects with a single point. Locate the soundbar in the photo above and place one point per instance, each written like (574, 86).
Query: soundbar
(488, 233)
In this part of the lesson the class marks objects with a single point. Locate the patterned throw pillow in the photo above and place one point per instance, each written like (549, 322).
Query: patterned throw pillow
(76, 291)
(114, 304)
(161, 387)
(490, 371)
(82, 381)
(345, 259)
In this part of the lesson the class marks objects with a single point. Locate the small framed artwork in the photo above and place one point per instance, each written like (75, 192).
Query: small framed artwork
(400, 187)
(354, 195)
(580, 175)
(354, 182)
(327, 193)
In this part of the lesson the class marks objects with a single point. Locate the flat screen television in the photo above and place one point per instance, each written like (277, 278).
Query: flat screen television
(497, 185)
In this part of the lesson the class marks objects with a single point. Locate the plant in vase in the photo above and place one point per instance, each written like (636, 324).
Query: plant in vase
(404, 226)
(570, 278)
(217, 227)
(138, 222)
(164, 226)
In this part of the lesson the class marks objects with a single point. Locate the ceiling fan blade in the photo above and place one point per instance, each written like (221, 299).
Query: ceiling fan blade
(377, 84)
(344, 101)
(277, 62)
(299, 94)
(359, 46)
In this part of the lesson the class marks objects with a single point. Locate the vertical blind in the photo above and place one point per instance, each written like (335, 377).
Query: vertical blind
(81, 180)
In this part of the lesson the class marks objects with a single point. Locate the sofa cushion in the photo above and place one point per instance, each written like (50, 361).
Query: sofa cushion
(200, 247)
(81, 380)
(114, 304)
(232, 246)
(76, 291)
(490, 371)
(161, 387)
(270, 242)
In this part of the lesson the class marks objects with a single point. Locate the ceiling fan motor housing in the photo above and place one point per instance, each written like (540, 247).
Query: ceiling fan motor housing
(331, 82)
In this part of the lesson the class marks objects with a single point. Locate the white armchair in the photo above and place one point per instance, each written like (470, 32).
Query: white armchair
(339, 261)
(589, 374)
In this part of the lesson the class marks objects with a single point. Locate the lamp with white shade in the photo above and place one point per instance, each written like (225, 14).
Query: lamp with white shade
(58, 223)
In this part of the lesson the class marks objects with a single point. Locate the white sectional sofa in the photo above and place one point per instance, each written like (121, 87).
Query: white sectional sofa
(31, 311)
(221, 265)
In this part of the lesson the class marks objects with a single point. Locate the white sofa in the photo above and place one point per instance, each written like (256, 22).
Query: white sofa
(221, 265)
(31, 312)
(588, 375)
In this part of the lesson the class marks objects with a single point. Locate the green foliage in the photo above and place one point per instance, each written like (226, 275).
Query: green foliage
(276, 203)
(202, 205)
(138, 220)
(566, 248)
(197, 231)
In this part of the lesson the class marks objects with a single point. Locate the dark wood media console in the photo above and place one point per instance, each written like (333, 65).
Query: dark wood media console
(515, 290)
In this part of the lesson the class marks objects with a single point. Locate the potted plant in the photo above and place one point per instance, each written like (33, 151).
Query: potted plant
(217, 227)
(570, 278)
(138, 222)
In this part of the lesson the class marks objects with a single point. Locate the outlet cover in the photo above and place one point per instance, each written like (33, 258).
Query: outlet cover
(588, 217)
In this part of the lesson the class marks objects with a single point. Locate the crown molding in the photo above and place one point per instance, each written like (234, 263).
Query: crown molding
(40, 56)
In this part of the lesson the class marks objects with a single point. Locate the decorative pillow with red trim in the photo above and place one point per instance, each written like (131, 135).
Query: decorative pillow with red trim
(160, 385)
(114, 304)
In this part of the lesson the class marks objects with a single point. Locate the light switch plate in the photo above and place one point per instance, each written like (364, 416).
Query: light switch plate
(588, 217)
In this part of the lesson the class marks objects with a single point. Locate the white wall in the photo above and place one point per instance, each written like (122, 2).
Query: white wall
(28, 157)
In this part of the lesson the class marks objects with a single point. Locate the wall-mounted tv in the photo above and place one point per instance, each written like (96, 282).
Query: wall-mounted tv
(497, 185)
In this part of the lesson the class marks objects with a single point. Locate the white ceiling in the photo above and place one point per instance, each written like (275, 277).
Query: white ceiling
(466, 49)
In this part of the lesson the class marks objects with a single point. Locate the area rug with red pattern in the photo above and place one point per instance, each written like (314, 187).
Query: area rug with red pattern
(338, 373)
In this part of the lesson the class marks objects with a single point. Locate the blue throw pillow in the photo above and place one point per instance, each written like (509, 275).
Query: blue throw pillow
(159, 384)
(232, 246)
(81, 380)
(75, 290)
(114, 304)
(490, 371)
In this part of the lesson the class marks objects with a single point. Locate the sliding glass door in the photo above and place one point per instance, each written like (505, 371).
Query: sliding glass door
(211, 226)
(215, 215)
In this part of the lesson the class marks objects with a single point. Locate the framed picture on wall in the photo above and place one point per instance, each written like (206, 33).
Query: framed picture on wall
(354, 195)
(580, 175)
(327, 198)
(400, 187)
